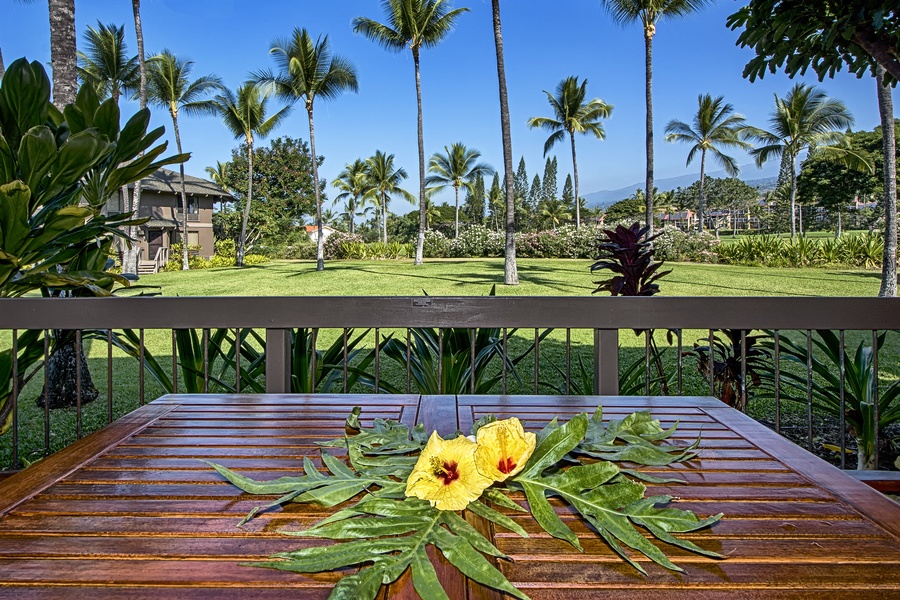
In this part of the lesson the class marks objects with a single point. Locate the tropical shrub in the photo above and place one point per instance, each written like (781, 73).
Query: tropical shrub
(227, 258)
(334, 244)
(672, 244)
(862, 250)
(476, 241)
(374, 251)
(436, 244)
(727, 368)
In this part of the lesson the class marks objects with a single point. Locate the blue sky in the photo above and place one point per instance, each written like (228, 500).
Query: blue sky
(544, 43)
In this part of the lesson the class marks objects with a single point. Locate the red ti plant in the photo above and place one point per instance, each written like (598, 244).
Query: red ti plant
(628, 254)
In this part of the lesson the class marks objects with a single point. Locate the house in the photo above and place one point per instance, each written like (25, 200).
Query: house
(685, 220)
(313, 232)
(161, 202)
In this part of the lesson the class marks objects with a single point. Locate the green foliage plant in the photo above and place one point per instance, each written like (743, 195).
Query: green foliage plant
(57, 170)
(392, 532)
(728, 371)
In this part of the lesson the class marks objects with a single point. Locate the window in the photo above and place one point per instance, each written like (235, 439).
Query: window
(193, 205)
(193, 238)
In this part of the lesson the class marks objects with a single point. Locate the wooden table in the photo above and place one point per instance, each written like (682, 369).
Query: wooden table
(130, 512)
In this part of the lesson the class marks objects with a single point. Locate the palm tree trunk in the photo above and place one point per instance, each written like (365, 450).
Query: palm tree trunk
(420, 242)
(129, 256)
(456, 215)
(320, 242)
(702, 181)
(510, 269)
(793, 197)
(243, 240)
(63, 56)
(575, 178)
(384, 217)
(2, 67)
(889, 146)
(649, 30)
(184, 203)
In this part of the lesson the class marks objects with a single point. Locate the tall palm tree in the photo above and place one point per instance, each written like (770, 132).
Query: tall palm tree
(106, 65)
(715, 125)
(384, 181)
(555, 211)
(219, 176)
(889, 147)
(805, 119)
(413, 24)
(455, 167)
(352, 182)
(244, 115)
(571, 114)
(63, 51)
(129, 256)
(308, 70)
(649, 13)
(169, 86)
(510, 270)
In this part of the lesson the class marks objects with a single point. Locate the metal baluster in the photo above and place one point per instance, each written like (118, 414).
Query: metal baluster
(647, 362)
(537, 351)
(408, 357)
(312, 357)
(875, 391)
(680, 361)
(569, 361)
(346, 352)
(14, 399)
(46, 393)
(743, 370)
(503, 364)
(377, 358)
(809, 414)
(440, 360)
(712, 363)
(205, 361)
(472, 360)
(109, 377)
(777, 381)
(141, 367)
(843, 374)
(174, 363)
(237, 360)
(78, 358)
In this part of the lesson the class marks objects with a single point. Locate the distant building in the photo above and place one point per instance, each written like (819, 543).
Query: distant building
(313, 231)
(161, 202)
(685, 220)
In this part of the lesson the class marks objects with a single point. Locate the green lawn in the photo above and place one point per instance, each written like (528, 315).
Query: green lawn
(437, 277)
(726, 236)
(474, 277)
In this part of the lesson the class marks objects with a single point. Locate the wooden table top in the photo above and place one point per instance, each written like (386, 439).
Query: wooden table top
(129, 512)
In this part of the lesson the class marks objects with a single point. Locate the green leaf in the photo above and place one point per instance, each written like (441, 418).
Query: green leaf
(496, 517)
(463, 529)
(472, 564)
(425, 580)
(501, 499)
(554, 446)
(37, 151)
(362, 586)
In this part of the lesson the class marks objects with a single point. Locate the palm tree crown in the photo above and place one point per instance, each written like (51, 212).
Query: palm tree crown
(805, 119)
(413, 24)
(454, 168)
(384, 181)
(106, 65)
(572, 114)
(715, 124)
(353, 183)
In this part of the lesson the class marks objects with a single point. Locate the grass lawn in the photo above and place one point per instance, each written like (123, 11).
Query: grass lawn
(474, 277)
(436, 277)
(727, 237)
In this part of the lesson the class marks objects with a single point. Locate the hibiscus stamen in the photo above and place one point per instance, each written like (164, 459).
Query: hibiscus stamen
(506, 465)
(448, 472)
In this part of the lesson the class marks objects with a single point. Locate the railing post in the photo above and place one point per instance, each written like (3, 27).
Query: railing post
(278, 361)
(606, 362)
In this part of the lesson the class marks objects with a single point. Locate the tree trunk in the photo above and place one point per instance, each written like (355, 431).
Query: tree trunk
(63, 368)
(510, 269)
(889, 147)
(320, 242)
(456, 217)
(129, 255)
(700, 205)
(793, 197)
(184, 203)
(420, 242)
(63, 53)
(2, 66)
(649, 31)
(384, 216)
(575, 182)
(837, 233)
(243, 240)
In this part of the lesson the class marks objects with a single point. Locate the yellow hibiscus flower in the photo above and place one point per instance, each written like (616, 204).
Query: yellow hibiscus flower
(503, 448)
(445, 474)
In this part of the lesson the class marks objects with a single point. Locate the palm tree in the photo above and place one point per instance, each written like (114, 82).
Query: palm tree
(63, 51)
(106, 65)
(307, 70)
(169, 86)
(715, 124)
(454, 168)
(649, 13)
(413, 24)
(889, 146)
(555, 211)
(129, 256)
(352, 182)
(219, 176)
(383, 181)
(510, 270)
(572, 115)
(244, 115)
(805, 119)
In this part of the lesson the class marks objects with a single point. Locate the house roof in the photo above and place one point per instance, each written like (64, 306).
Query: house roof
(312, 228)
(166, 181)
(163, 223)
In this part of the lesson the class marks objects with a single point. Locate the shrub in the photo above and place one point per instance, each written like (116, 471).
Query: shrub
(333, 246)
(478, 241)
(676, 245)
(436, 244)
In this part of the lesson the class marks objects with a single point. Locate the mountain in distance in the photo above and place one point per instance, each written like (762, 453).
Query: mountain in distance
(764, 179)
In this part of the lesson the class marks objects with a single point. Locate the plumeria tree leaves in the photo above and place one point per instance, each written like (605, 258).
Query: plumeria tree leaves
(385, 533)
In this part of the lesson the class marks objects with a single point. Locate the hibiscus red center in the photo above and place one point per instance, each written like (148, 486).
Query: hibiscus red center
(506, 465)
(448, 472)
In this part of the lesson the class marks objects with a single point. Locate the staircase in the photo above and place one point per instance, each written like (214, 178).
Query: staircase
(149, 267)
